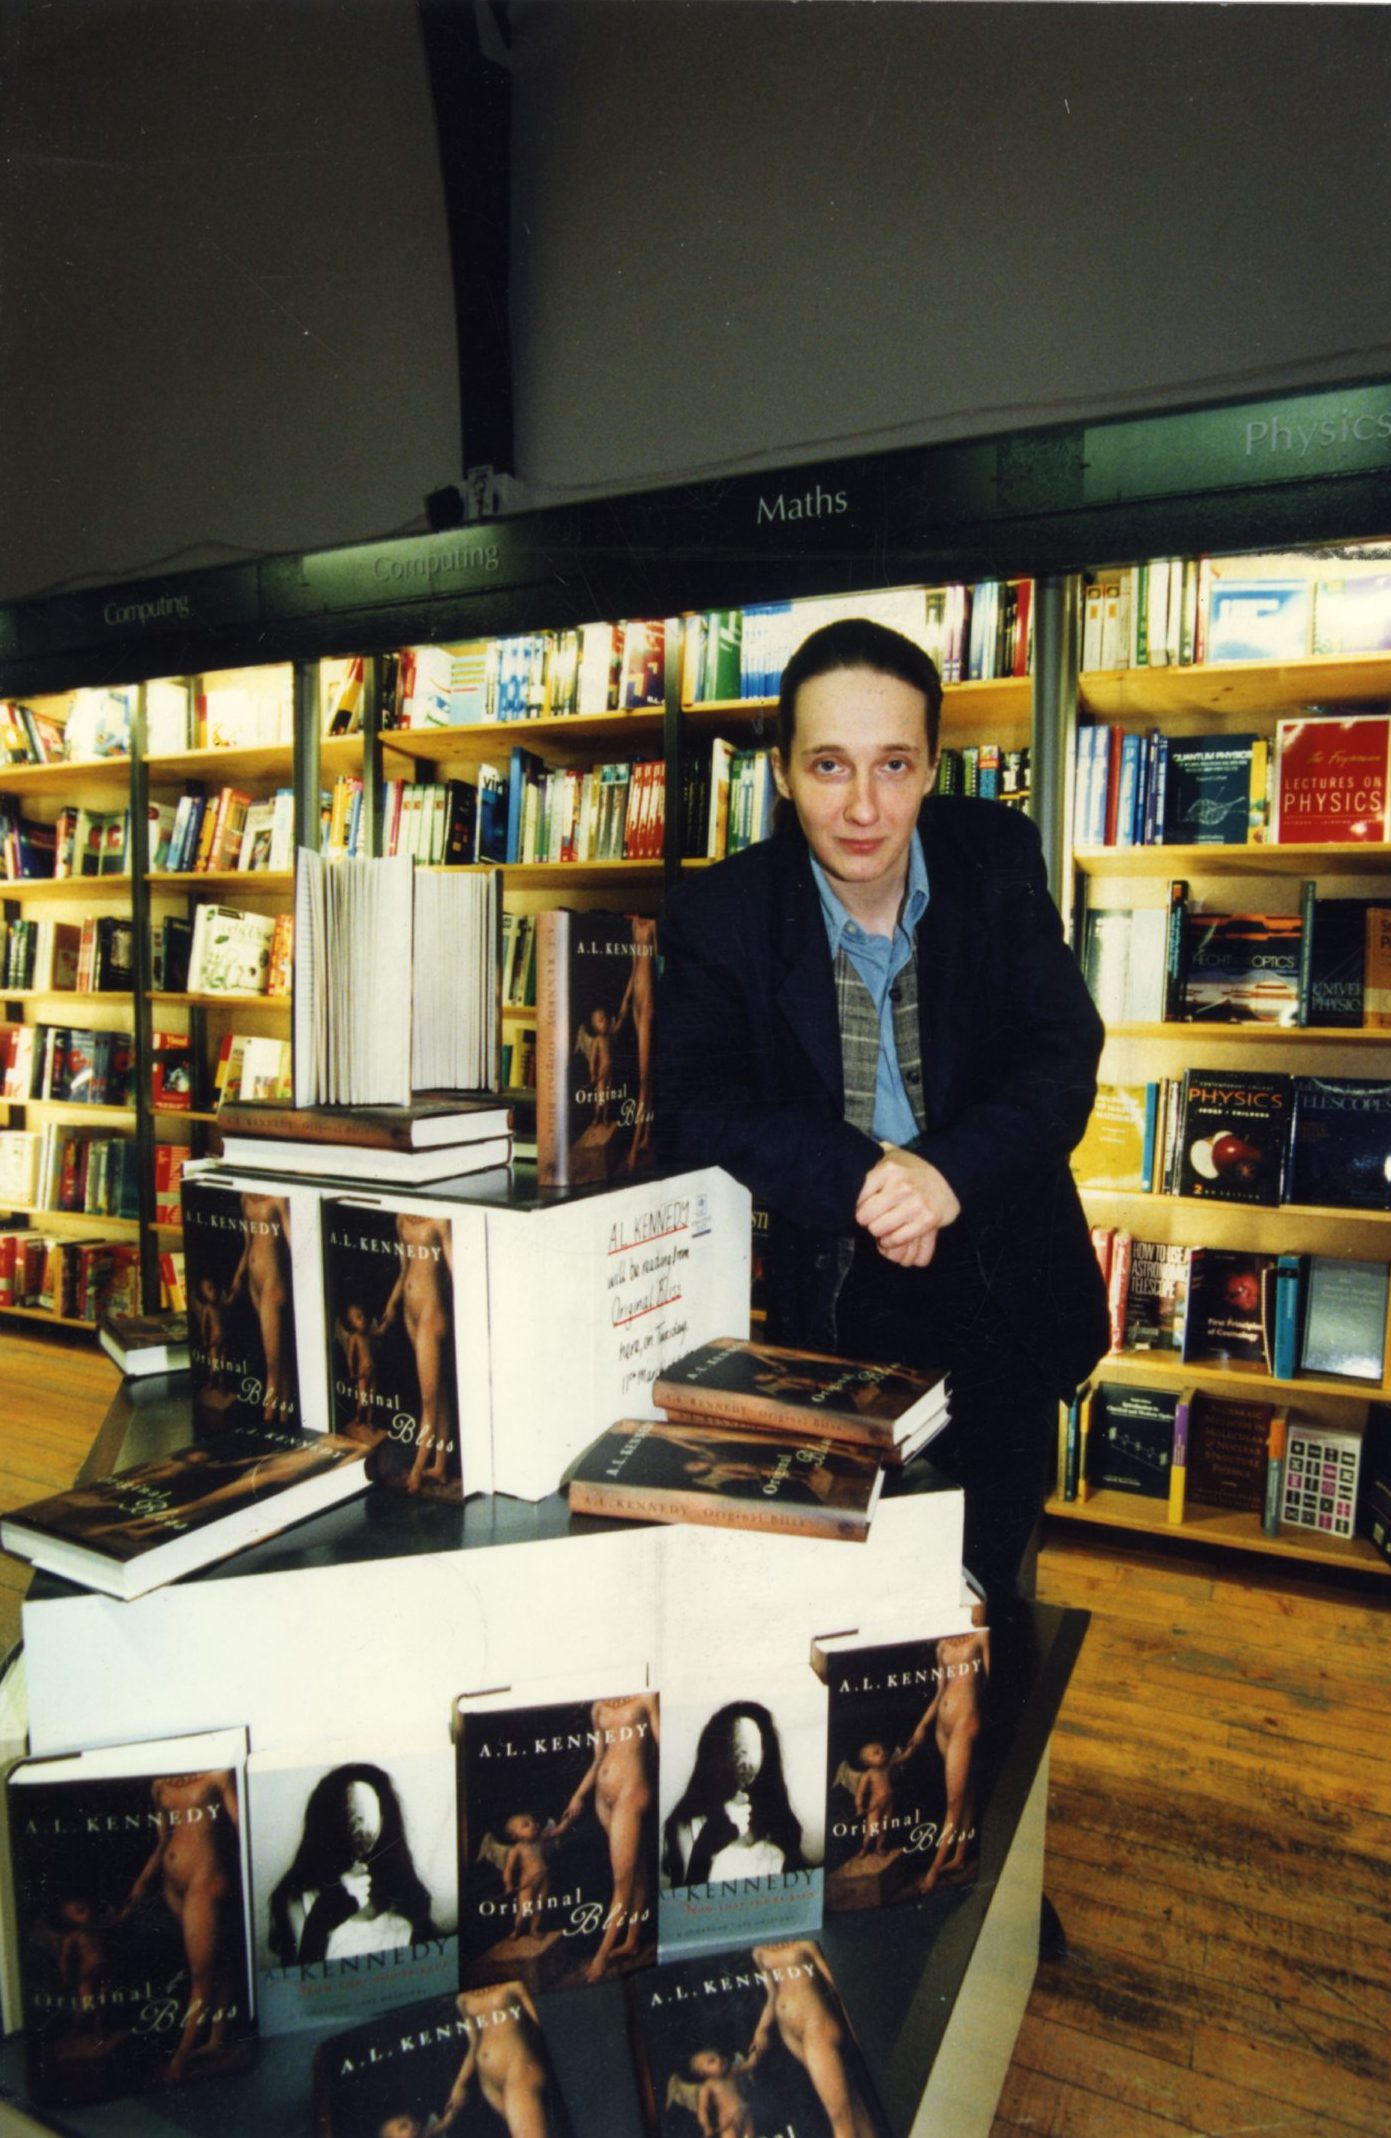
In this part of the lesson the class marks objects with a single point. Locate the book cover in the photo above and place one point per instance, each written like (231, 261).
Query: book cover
(1340, 1146)
(1224, 1323)
(1156, 1296)
(389, 1304)
(475, 2064)
(1236, 1132)
(1228, 1447)
(674, 1470)
(1133, 1429)
(1242, 968)
(558, 1838)
(743, 1811)
(1333, 950)
(1255, 619)
(1376, 977)
(137, 1529)
(239, 1275)
(229, 951)
(1345, 1305)
(1331, 780)
(1117, 1146)
(425, 1124)
(906, 1733)
(750, 2042)
(1321, 1478)
(1207, 795)
(353, 1872)
(131, 1889)
(145, 1343)
(596, 981)
(743, 1382)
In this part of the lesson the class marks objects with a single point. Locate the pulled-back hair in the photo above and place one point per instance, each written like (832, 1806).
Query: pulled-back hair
(858, 642)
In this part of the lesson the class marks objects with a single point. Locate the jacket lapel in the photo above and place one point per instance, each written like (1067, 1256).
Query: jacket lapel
(804, 986)
(943, 941)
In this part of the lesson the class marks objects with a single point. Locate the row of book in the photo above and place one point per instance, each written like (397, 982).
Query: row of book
(974, 633)
(609, 812)
(82, 1068)
(533, 675)
(1188, 1447)
(1323, 779)
(1243, 1136)
(73, 1279)
(1175, 611)
(60, 1168)
(518, 960)
(31, 851)
(445, 822)
(1245, 1309)
(1328, 965)
(224, 830)
(96, 723)
(94, 956)
(233, 951)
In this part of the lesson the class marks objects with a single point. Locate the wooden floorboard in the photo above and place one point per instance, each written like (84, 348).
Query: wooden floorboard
(1219, 1839)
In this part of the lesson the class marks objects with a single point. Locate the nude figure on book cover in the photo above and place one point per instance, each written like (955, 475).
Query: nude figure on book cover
(621, 1780)
(505, 2054)
(803, 2006)
(263, 1275)
(955, 1710)
(195, 1862)
(422, 1298)
(715, 2093)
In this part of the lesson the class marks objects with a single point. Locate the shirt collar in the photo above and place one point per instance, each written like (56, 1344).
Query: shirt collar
(914, 901)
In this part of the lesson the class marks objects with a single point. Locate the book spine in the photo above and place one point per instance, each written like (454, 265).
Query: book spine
(1178, 1461)
(645, 1504)
(553, 1036)
(1288, 1287)
(1274, 1473)
(766, 1414)
(1175, 951)
(1308, 899)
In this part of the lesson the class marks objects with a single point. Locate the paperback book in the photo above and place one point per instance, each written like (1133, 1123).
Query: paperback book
(1228, 1452)
(1156, 1296)
(1207, 794)
(1331, 780)
(1320, 1484)
(1132, 1433)
(1332, 964)
(596, 979)
(1225, 1322)
(139, 1529)
(736, 1381)
(1242, 968)
(145, 1343)
(750, 2042)
(905, 1744)
(354, 1878)
(130, 1877)
(687, 1470)
(240, 1281)
(1236, 1133)
(1344, 1321)
(474, 2063)
(1117, 1148)
(743, 1811)
(1340, 1148)
(558, 1837)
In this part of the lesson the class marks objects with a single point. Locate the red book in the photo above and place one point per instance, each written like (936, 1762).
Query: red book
(1332, 781)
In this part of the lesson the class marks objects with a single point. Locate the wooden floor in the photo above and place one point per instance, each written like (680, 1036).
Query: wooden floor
(1219, 1841)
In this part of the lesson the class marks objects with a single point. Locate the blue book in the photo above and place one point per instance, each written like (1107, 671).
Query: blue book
(525, 769)
(1289, 1280)
(1131, 747)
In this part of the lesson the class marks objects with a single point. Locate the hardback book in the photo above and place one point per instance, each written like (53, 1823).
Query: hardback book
(130, 1874)
(137, 1529)
(906, 1735)
(682, 1470)
(474, 2064)
(426, 1124)
(724, 2045)
(1117, 1147)
(1331, 780)
(145, 1343)
(1228, 1451)
(739, 1381)
(558, 1832)
(1133, 1436)
(1236, 1133)
(1259, 618)
(743, 1809)
(1344, 1318)
(240, 1275)
(368, 1163)
(596, 979)
(353, 1875)
(1242, 968)
(1373, 1515)
(1320, 1477)
(1207, 795)
(1156, 1296)
(1224, 1321)
(229, 953)
(1332, 959)
(406, 1316)
(1340, 1147)
(1376, 978)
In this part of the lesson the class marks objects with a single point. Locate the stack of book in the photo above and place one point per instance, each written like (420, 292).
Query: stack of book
(757, 1436)
(438, 1137)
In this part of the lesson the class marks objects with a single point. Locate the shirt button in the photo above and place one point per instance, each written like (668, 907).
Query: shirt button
(915, 1076)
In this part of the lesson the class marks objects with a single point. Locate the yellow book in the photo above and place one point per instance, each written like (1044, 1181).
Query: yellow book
(1178, 1462)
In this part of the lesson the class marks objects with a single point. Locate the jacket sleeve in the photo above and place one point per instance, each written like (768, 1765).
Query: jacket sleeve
(722, 1097)
(1032, 1066)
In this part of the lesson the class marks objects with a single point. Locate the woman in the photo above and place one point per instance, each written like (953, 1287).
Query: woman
(734, 1818)
(352, 1887)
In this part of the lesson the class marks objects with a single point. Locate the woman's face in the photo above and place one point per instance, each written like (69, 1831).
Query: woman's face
(364, 1814)
(747, 1747)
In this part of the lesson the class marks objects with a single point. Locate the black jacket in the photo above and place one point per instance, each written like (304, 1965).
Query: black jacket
(749, 1072)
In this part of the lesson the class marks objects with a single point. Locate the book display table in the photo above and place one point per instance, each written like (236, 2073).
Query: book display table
(299, 1631)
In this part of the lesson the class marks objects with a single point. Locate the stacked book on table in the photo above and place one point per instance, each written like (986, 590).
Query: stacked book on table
(757, 1436)
(439, 1136)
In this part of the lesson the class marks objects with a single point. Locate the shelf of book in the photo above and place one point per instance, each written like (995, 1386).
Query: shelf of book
(1264, 859)
(126, 1227)
(1233, 689)
(1003, 701)
(56, 890)
(1166, 1369)
(46, 1317)
(1215, 1527)
(1215, 1034)
(83, 998)
(1216, 1223)
(75, 1112)
(81, 781)
(212, 1002)
(556, 738)
(550, 875)
(258, 883)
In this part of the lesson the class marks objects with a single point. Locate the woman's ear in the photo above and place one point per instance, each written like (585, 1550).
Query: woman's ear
(779, 776)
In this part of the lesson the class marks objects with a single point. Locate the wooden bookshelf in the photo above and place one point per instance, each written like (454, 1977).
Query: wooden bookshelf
(1259, 860)
(1228, 692)
(569, 740)
(60, 890)
(254, 883)
(1216, 1528)
(87, 783)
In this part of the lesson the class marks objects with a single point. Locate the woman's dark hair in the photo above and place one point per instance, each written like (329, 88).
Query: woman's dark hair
(326, 1851)
(858, 642)
(714, 1781)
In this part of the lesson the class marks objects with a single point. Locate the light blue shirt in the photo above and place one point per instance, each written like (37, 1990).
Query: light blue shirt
(879, 959)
